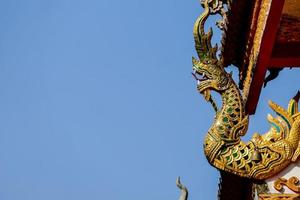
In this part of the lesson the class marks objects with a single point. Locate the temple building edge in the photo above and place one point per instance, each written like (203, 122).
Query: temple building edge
(253, 32)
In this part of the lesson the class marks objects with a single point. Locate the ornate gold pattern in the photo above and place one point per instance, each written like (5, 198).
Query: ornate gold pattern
(223, 147)
(279, 197)
(292, 184)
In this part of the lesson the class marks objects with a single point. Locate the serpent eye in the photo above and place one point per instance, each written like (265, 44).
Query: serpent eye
(206, 61)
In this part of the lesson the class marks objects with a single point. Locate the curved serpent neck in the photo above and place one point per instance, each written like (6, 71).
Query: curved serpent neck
(261, 157)
(231, 113)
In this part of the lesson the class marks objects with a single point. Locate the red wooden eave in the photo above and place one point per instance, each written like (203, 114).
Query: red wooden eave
(271, 55)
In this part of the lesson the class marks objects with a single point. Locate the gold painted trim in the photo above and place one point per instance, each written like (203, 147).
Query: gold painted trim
(279, 197)
(261, 25)
(292, 184)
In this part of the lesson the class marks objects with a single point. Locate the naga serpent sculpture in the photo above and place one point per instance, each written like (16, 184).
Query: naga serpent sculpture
(264, 155)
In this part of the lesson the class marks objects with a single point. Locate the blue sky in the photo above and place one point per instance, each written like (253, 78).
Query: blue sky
(97, 101)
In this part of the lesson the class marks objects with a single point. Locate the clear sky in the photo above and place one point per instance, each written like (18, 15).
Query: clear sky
(97, 101)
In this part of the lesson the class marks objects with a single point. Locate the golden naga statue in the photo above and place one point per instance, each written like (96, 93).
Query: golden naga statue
(264, 155)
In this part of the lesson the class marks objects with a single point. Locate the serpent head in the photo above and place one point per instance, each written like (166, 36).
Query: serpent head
(210, 76)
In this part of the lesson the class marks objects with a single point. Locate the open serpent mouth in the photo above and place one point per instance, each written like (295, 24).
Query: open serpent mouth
(201, 78)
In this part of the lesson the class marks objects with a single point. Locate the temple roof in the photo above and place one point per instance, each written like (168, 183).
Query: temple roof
(261, 35)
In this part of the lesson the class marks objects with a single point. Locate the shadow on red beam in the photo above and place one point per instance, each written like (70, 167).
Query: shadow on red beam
(284, 62)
